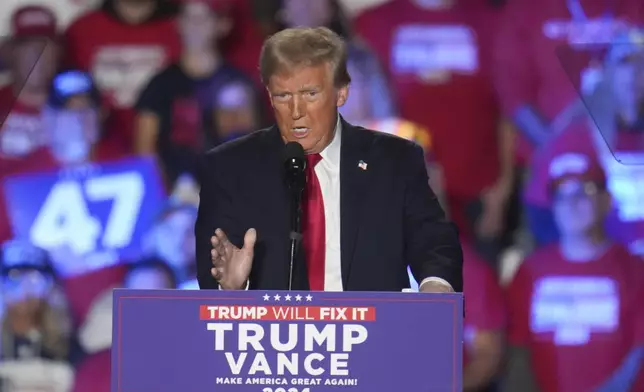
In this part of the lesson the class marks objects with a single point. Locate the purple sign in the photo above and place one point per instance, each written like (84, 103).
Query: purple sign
(273, 341)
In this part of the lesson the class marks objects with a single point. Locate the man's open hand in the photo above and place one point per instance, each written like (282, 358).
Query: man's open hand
(232, 265)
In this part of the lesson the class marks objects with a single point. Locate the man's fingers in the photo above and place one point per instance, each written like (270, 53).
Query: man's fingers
(217, 273)
(222, 237)
(249, 239)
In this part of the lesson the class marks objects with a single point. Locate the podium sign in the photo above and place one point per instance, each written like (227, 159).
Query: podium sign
(270, 341)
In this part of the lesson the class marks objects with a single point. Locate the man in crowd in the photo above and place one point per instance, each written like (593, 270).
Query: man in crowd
(576, 320)
(436, 53)
(33, 55)
(536, 78)
(123, 44)
(197, 102)
(305, 72)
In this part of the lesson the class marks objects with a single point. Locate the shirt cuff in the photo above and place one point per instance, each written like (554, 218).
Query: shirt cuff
(436, 280)
(245, 288)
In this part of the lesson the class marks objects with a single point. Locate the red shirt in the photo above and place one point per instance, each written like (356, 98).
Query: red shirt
(441, 71)
(93, 374)
(535, 62)
(244, 43)
(21, 130)
(122, 59)
(484, 302)
(579, 320)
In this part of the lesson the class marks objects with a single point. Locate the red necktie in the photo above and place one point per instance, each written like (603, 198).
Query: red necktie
(314, 230)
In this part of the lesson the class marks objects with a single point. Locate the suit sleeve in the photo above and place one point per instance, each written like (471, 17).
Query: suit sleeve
(216, 210)
(432, 245)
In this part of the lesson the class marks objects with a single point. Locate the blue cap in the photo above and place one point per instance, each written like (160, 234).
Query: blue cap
(70, 83)
(19, 254)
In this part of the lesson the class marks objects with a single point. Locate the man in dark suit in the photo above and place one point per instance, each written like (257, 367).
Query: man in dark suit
(369, 212)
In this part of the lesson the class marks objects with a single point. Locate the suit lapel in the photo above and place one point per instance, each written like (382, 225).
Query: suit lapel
(355, 173)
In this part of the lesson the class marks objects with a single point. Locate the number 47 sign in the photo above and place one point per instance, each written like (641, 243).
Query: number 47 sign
(90, 209)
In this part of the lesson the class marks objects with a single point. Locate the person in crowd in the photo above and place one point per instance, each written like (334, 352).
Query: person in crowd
(371, 97)
(616, 126)
(122, 45)
(197, 102)
(612, 131)
(576, 320)
(72, 122)
(436, 53)
(540, 83)
(172, 238)
(485, 322)
(36, 334)
(95, 334)
(32, 55)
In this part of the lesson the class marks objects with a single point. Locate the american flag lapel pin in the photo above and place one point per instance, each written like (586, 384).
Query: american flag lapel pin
(362, 165)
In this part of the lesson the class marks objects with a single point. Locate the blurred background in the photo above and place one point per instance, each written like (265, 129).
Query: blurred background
(531, 115)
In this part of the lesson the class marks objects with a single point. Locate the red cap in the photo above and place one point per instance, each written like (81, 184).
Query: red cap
(576, 166)
(34, 21)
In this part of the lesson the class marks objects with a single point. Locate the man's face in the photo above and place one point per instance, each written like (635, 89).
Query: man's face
(578, 207)
(305, 102)
(35, 62)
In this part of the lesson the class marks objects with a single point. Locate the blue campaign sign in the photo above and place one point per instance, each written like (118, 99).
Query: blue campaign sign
(94, 210)
(281, 341)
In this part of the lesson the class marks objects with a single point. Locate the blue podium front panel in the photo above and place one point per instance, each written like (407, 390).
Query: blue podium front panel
(268, 341)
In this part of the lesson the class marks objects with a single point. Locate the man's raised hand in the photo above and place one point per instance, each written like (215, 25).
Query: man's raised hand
(232, 265)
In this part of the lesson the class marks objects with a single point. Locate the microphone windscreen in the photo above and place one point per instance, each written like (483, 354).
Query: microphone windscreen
(293, 151)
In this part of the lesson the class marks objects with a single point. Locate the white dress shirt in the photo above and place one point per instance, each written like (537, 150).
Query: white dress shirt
(328, 173)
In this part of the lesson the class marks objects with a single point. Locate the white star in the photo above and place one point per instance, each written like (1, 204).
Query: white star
(266, 297)
(309, 298)
(287, 297)
(276, 297)
(298, 297)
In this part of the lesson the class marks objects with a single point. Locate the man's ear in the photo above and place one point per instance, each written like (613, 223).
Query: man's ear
(343, 95)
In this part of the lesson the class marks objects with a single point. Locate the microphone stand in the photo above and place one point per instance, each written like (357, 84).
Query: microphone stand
(295, 235)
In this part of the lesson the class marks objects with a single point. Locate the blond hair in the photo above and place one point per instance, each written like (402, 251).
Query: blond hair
(55, 328)
(304, 47)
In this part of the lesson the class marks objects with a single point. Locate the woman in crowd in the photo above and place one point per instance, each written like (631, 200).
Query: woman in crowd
(36, 328)
(371, 97)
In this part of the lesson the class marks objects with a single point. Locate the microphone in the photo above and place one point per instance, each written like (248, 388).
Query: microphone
(294, 166)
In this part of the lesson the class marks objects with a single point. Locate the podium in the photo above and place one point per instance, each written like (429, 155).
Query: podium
(280, 341)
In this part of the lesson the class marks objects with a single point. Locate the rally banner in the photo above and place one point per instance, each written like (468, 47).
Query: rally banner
(269, 341)
(99, 211)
